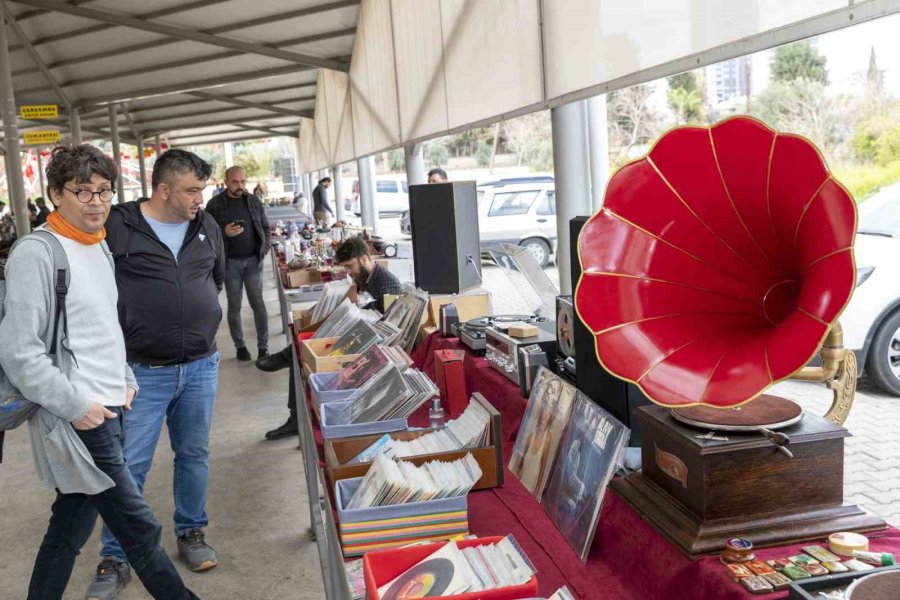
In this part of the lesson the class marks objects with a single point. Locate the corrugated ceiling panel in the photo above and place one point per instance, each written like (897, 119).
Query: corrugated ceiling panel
(321, 118)
(492, 54)
(336, 87)
(420, 67)
(344, 149)
(306, 147)
(374, 82)
(588, 43)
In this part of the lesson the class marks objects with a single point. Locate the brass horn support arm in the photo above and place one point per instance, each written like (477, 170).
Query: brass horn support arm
(838, 372)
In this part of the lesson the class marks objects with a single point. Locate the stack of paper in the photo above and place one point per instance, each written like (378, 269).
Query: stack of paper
(391, 482)
(453, 570)
(470, 430)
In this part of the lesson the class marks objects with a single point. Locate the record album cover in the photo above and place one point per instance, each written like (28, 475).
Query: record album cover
(541, 431)
(588, 458)
(354, 375)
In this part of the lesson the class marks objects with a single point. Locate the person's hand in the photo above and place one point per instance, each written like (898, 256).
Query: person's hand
(129, 396)
(94, 417)
(232, 230)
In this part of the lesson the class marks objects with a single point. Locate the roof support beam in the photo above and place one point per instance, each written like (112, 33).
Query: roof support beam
(189, 86)
(293, 134)
(185, 34)
(205, 141)
(36, 57)
(265, 121)
(248, 104)
(30, 14)
(195, 113)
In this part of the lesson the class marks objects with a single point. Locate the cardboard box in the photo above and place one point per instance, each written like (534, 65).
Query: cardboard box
(490, 458)
(451, 380)
(522, 330)
(295, 279)
(314, 355)
(469, 306)
(365, 529)
(382, 567)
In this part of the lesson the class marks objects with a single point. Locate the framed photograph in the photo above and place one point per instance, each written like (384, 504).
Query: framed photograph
(541, 431)
(588, 458)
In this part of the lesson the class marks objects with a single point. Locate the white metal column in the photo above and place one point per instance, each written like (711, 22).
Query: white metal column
(598, 139)
(338, 183)
(572, 180)
(75, 125)
(307, 191)
(142, 163)
(368, 204)
(40, 165)
(15, 182)
(117, 154)
(415, 164)
(298, 170)
(158, 143)
(229, 155)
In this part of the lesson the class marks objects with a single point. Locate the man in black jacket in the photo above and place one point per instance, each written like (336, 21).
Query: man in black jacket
(170, 268)
(246, 227)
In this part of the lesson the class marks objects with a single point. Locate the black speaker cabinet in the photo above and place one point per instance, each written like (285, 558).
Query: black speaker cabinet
(615, 395)
(446, 246)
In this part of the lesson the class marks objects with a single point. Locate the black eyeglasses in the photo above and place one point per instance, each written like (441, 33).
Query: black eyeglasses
(85, 196)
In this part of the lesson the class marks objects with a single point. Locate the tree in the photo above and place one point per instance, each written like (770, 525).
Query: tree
(632, 121)
(799, 61)
(530, 138)
(874, 77)
(436, 154)
(802, 106)
(687, 98)
(396, 160)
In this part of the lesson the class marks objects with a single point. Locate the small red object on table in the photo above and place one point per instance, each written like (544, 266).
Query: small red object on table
(451, 380)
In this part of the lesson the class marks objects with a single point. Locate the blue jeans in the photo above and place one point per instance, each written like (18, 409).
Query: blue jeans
(122, 508)
(183, 395)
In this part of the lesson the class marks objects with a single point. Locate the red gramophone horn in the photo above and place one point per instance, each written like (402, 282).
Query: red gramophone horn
(717, 264)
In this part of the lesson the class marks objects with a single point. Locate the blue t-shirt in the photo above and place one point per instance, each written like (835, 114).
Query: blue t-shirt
(170, 234)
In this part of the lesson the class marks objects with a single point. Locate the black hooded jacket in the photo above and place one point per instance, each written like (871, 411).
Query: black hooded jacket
(169, 310)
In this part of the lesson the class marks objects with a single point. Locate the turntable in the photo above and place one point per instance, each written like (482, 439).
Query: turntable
(472, 332)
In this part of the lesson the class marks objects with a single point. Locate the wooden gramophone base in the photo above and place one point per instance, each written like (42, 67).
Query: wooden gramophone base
(699, 491)
(695, 538)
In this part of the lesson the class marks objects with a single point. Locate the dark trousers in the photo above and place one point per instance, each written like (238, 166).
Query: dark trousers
(241, 274)
(126, 513)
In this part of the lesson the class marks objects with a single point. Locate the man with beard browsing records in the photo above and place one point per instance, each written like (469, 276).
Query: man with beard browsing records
(370, 278)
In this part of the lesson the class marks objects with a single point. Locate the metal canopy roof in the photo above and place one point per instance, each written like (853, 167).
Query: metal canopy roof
(196, 71)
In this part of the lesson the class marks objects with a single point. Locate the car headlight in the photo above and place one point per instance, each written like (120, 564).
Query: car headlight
(862, 274)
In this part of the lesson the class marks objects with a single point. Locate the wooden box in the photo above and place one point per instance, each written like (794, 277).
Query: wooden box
(314, 356)
(699, 492)
(490, 458)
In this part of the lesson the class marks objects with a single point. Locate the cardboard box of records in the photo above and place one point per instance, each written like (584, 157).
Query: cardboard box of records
(340, 453)
(314, 356)
(299, 277)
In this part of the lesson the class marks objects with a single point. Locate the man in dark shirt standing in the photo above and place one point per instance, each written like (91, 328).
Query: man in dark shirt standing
(243, 220)
(321, 208)
(43, 212)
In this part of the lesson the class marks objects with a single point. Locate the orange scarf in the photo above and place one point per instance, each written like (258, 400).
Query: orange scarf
(66, 229)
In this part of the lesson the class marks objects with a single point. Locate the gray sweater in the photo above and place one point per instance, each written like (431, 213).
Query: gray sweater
(61, 459)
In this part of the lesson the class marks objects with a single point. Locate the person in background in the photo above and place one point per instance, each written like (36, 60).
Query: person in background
(76, 435)
(170, 268)
(321, 207)
(32, 212)
(437, 176)
(43, 212)
(243, 220)
(259, 191)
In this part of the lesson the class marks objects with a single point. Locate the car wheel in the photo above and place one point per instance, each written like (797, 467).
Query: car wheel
(539, 250)
(884, 355)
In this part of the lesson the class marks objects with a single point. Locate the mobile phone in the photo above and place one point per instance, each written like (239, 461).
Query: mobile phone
(238, 222)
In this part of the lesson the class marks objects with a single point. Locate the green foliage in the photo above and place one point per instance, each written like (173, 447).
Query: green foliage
(865, 180)
(529, 138)
(436, 154)
(632, 121)
(396, 160)
(876, 138)
(483, 154)
(687, 98)
(802, 106)
(799, 61)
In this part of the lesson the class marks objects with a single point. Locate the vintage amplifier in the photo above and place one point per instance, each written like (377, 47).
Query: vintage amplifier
(502, 350)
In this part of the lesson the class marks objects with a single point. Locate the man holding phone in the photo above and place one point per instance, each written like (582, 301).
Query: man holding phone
(243, 220)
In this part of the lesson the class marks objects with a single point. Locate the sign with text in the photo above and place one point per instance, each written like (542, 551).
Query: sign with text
(39, 111)
(42, 138)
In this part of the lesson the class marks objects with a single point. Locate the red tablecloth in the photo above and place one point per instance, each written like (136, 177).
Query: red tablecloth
(629, 558)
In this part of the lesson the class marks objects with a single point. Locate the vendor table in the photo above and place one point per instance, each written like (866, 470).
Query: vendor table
(629, 558)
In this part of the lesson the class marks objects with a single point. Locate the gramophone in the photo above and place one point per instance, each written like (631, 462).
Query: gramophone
(717, 267)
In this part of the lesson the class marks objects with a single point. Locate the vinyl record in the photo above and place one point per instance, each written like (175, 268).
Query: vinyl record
(427, 579)
(565, 329)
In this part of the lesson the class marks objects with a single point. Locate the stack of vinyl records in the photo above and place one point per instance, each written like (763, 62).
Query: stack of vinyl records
(356, 340)
(332, 294)
(453, 570)
(343, 318)
(470, 430)
(356, 374)
(390, 482)
(406, 314)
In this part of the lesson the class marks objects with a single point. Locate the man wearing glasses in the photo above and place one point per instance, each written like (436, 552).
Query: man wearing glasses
(79, 378)
(170, 267)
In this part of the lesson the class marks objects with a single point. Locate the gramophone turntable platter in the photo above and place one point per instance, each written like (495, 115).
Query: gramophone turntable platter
(766, 412)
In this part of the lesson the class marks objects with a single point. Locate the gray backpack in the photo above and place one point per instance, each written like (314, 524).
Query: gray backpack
(14, 408)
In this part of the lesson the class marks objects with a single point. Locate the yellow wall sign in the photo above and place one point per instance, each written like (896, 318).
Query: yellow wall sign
(42, 138)
(39, 111)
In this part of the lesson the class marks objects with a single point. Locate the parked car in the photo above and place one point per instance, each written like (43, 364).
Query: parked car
(406, 227)
(391, 192)
(521, 213)
(871, 321)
